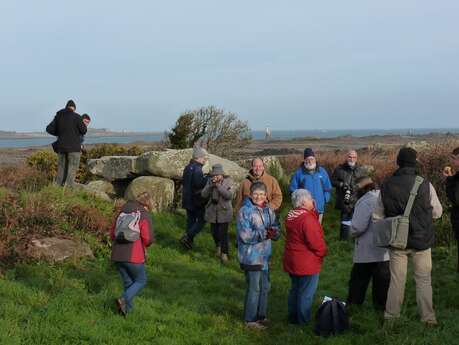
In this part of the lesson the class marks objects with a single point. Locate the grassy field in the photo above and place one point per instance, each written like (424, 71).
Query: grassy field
(191, 298)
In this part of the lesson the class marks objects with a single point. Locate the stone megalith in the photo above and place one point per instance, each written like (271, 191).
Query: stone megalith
(102, 186)
(167, 164)
(161, 189)
(170, 164)
(114, 168)
(53, 249)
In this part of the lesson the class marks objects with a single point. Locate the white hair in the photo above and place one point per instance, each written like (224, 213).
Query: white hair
(299, 196)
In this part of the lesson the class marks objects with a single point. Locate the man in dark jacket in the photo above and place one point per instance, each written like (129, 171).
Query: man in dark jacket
(192, 183)
(68, 127)
(452, 192)
(395, 192)
(343, 179)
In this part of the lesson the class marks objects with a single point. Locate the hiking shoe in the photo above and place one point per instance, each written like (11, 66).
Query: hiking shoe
(185, 242)
(224, 259)
(430, 323)
(122, 306)
(265, 322)
(254, 325)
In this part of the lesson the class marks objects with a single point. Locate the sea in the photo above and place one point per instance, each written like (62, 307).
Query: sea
(257, 135)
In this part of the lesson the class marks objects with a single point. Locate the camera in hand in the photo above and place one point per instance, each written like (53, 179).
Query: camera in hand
(347, 194)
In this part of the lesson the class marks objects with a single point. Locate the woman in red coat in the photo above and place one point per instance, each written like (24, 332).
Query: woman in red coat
(129, 249)
(305, 249)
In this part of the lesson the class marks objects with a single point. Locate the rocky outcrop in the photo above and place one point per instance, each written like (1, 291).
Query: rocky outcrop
(157, 172)
(168, 164)
(114, 168)
(53, 249)
(102, 186)
(161, 189)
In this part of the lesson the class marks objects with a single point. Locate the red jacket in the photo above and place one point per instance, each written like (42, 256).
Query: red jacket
(305, 246)
(133, 252)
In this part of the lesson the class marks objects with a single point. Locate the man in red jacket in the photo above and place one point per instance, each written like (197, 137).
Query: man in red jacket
(305, 249)
(129, 256)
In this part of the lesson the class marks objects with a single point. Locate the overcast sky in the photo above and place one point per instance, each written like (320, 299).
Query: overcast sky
(287, 64)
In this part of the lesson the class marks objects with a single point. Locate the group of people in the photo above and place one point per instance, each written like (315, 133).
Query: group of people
(70, 128)
(208, 198)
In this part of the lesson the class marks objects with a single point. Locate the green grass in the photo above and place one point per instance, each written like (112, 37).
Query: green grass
(191, 298)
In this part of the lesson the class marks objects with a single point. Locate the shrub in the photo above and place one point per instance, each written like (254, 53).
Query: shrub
(221, 132)
(44, 161)
(23, 178)
(88, 219)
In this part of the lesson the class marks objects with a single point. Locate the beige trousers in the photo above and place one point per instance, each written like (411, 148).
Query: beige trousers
(422, 267)
(321, 217)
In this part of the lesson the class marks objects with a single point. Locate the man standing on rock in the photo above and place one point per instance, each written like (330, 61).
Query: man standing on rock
(193, 182)
(68, 127)
(343, 179)
(315, 179)
(258, 174)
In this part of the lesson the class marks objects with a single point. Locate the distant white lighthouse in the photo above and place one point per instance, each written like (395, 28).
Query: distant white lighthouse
(268, 134)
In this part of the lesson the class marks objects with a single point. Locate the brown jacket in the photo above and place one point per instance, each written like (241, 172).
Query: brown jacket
(274, 191)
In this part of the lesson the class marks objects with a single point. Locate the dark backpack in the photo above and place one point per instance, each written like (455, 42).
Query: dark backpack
(331, 318)
(127, 227)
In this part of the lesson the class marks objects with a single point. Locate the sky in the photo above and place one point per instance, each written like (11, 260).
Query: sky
(284, 64)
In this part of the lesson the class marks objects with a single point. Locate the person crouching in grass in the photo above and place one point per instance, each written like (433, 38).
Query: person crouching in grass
(256, 227)
(305, 249)
(131, 234)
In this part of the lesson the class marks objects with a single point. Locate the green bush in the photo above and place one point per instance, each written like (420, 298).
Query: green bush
(44, 161)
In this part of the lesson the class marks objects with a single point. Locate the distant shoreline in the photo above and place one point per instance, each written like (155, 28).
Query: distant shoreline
(259, 147)
(257, 134)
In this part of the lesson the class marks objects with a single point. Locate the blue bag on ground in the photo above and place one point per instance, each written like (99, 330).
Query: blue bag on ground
(331, 318)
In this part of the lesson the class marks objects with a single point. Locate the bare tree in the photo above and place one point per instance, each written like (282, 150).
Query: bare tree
(222, 133)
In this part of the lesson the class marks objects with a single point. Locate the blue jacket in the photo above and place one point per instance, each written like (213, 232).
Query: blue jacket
(193, 182)
(254, 249)
(316, 182)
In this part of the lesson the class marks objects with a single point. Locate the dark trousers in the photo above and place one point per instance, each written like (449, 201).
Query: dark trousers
(220, 235)
(67, 168)
(194, 222)
(345, 229)
(361, 274)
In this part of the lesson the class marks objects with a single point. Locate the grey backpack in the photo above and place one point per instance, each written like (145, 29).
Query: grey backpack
(127, 227)
(393, 231)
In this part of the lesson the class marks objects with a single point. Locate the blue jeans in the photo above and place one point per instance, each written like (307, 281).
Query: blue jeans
(300, 298)
(345, 229)
(256, 296)
(194, 222)
(134, 278)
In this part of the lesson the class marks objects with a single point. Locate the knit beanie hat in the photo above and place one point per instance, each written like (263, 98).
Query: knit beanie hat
(407, 157)
(70, 103)
(308, 152)
(199, 152)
